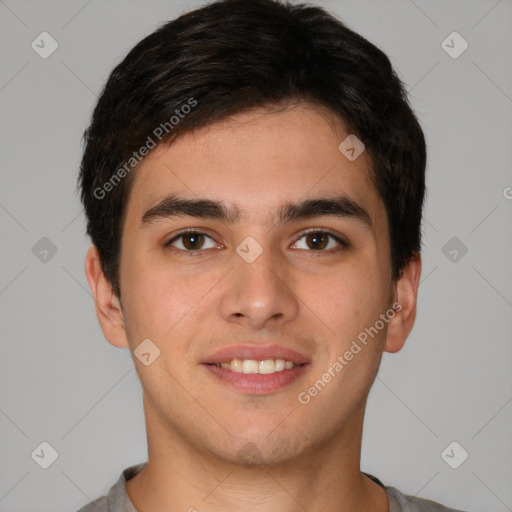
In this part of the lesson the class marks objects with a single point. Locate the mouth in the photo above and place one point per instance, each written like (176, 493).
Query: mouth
(252, 366)
(256, 369)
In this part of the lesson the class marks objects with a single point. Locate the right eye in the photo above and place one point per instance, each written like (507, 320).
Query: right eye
(189, 241)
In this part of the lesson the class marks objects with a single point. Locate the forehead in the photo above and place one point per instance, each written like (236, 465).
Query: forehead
(257, 161)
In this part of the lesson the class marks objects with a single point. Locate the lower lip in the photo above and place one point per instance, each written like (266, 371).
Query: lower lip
(257, 383)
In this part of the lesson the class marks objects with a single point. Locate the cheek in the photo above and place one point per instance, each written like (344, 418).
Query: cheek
(350, 294)
(149, 297)
(162, 300)
(346, 304)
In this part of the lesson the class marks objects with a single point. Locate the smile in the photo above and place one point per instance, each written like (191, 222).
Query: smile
(265, 366)
(253, 377)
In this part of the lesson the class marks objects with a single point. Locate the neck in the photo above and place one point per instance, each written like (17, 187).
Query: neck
(179, 476)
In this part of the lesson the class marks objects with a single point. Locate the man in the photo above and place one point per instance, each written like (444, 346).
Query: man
(253, 179)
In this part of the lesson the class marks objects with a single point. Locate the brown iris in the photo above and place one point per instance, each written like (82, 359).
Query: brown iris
(196, 240)
(319, 240)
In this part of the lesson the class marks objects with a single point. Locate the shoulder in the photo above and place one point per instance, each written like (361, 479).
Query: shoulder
(400, 502)
(98, 505)
(117, 499)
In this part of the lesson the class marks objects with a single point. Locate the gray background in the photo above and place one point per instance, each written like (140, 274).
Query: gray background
(62, 383)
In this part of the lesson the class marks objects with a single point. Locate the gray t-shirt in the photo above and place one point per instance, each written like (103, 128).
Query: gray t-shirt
(117, 499)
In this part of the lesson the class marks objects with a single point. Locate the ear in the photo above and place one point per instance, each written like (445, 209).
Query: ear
(405, 297)
(108, 306)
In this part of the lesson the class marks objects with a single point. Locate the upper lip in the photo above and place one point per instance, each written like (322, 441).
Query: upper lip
(257, 352)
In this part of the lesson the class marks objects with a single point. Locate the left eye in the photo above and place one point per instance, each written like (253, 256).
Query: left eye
(319, 241)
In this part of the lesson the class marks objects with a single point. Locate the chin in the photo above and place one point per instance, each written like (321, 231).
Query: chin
(259, 452)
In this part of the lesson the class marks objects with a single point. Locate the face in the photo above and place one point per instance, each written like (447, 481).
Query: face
(308, 279)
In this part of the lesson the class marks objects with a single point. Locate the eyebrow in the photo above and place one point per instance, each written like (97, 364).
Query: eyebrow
(173, 206)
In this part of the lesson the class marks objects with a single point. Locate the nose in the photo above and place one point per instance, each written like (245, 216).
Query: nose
(260, 293)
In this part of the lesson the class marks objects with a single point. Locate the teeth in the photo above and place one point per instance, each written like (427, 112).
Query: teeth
(267, 366)
(249, 366)
(252, 366)
(280, 364)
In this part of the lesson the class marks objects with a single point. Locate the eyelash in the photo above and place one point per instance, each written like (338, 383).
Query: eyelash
(199, 252)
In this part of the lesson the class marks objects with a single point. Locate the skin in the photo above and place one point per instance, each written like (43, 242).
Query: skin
(305, 457)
